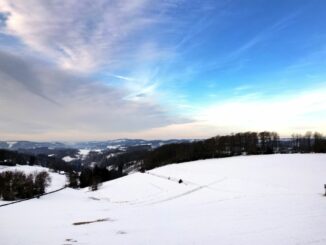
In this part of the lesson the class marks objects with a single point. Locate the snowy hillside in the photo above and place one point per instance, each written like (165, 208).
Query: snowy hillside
(57, 180)
(270, 199)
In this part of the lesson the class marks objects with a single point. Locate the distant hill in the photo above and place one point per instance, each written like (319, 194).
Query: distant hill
(92, 145)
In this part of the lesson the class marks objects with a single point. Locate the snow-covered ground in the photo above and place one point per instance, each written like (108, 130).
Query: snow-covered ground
(57, 180)
(69, 158)
(271, 199)
(84, 152)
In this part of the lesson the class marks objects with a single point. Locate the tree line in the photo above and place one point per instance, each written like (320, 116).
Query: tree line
(248, 143)
(309, 142)
(92, 177)
(12, 158)
(18, 185)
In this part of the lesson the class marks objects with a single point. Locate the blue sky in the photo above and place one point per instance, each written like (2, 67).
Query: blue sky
(79, 70)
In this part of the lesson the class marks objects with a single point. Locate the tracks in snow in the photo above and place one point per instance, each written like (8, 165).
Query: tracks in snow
(184, 182)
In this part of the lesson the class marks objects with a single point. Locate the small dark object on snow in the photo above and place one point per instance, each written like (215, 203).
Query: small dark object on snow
(180, 181)
(325, 189)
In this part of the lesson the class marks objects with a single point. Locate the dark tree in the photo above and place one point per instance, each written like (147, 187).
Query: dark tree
(18, 185)
(73, 179)
(42, 180)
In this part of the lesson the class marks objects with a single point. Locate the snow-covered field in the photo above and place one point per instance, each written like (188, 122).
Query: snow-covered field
(57, 180)
(247, 200)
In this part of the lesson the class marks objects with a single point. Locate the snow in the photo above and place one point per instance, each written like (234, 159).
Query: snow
(84, 152)
(111, 155)
(68, 158)
(271, 199)
(57, 180)
(113, 147)
(97, 150)
(11, 143)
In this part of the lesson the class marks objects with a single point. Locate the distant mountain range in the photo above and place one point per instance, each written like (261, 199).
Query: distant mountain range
(92, 145)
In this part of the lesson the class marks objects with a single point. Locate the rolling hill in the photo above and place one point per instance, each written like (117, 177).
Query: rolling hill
(265, 199)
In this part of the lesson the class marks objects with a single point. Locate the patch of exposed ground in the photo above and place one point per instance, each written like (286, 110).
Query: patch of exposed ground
(90, 222)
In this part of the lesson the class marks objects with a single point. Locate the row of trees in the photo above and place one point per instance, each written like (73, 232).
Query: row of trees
(12, 158)
(249, 143)
(219, 146)
(18, 185)
(92, 177)
(308, 142)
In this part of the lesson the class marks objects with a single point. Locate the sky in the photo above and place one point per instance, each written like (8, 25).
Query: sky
(107, 69)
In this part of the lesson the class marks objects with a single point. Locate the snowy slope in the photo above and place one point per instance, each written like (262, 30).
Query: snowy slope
(57, 180)
(274, 199)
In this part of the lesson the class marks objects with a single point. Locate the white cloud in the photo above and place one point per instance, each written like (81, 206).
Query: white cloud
(85, 35)
(298, 112)
(38, 101)
(96, 36)
(43, 101)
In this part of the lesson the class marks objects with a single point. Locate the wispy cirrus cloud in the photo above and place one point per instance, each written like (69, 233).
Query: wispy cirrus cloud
(124, 38)
(51, 89)
(85, 35)
(238, 54)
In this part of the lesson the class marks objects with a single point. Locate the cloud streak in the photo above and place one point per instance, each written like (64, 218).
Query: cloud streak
(15, 69)
(56, 93)
(83, 35)
(86, 106)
